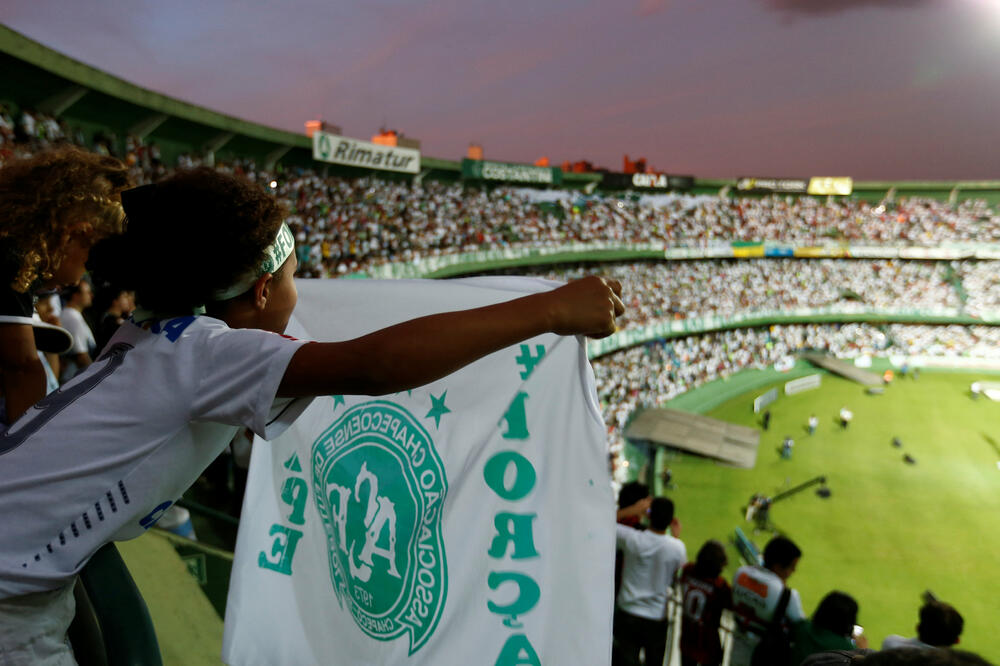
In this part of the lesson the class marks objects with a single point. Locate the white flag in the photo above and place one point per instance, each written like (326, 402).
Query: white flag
(469, 521)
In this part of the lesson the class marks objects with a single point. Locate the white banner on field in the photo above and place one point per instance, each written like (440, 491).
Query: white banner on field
(802, 384)
(764, 399)
(469, 521)
(353, 152)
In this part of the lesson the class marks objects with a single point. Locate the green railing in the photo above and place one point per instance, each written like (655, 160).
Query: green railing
(464, 263)
(833, 314)
(120, 630)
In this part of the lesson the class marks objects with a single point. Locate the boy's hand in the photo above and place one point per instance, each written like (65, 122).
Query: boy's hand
(587, 306)
(637, 510)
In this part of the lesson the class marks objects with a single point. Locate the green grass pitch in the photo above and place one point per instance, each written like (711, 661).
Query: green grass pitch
(890, 530)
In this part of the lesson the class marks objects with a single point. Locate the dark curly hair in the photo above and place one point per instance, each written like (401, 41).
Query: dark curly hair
(189, 236)
(46, 199)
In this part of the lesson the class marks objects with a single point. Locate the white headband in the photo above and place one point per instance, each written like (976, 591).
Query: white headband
(275, 255)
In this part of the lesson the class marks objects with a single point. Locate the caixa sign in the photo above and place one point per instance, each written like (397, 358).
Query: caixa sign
(650, 180)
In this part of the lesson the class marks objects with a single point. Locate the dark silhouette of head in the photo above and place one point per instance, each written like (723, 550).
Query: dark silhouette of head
(940, 624)
(781, 556)
(711, 560)
(837, 612)
(661, 514)
(632, 492)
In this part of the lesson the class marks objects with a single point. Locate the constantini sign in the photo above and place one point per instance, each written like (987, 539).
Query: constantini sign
(352, 152)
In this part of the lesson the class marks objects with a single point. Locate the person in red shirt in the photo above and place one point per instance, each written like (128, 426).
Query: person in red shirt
(705, 595)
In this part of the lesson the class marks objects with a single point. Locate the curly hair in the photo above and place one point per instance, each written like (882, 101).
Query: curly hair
(189, 236)
(46, 199)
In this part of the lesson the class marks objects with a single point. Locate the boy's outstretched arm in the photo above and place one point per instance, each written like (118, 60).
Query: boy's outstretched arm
(418, 351)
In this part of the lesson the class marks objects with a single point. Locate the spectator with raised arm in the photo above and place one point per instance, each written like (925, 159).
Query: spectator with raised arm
(652, 559)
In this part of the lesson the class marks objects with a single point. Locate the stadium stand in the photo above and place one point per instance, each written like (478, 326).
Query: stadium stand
(814, 274)
(712, 438)
(843, 369)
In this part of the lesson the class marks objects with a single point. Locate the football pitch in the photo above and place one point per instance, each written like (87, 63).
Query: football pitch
(890, 529)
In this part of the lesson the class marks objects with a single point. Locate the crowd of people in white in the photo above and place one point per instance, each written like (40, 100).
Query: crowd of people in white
(658, 290)
(347, 225)
(344, 226)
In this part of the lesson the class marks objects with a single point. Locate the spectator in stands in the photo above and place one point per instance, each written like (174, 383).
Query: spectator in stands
(628, 498)
(704, 594)
(831, 628)
(45, 310)
(630, 513)
(940, 626)
(6, 128)
(129, 434)
(896, 658)
(652, 560)
(79, 297)
(53, 207)
(756, 593)
(115, 305)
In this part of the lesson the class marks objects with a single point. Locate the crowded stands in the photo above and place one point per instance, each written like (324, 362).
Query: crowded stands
(345, 226)
(349, 225)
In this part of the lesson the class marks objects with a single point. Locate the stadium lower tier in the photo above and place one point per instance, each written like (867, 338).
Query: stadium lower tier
(653, 374)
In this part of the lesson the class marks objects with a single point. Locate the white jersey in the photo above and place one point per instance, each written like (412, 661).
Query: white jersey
(650, 564)
(83, 341)
(756, 593)
(896, 642)
(103, 457)
(83, 337)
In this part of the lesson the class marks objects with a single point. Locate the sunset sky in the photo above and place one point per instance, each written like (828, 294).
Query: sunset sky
(874, 89)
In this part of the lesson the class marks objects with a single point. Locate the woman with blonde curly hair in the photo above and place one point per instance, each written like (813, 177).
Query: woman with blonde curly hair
(53, 207)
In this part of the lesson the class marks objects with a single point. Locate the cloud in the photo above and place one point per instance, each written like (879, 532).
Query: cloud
(825, 7)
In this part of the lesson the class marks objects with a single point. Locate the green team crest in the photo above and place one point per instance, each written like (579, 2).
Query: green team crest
(379, 485)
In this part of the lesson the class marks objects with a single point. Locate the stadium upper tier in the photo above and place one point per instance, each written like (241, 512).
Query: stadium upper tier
(390, 229)
(656, 291)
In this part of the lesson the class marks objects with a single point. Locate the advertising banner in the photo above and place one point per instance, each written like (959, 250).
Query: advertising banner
(469, 521)
(827, 185)
(779, 251)
(764, 399)
(776, 185)
(744, 250)
(352, 152)
(646, 181)
(510, 173)
(802, 384)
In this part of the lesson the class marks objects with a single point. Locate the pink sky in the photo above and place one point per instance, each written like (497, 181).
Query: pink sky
(874, 89)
